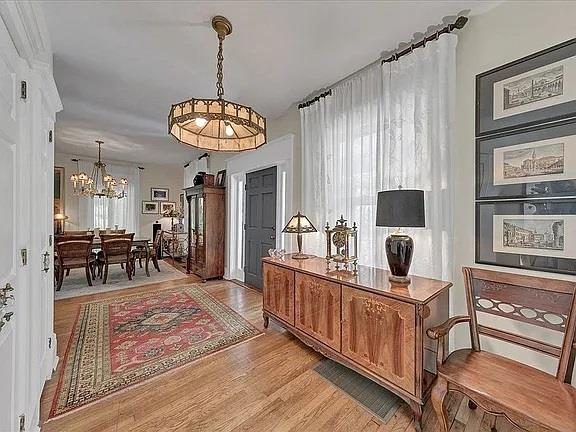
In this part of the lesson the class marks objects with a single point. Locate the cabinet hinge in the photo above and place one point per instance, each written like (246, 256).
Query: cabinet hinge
(24, 256)
(50, 136)
(22, 423)
(245, 226)
(49, 342)
(245, 187)
(23, 90)
(50, 240)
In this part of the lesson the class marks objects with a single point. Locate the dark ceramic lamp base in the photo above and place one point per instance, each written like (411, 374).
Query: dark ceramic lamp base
(399, 251)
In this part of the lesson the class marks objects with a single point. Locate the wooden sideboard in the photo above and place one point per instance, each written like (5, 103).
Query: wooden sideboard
(363, 321)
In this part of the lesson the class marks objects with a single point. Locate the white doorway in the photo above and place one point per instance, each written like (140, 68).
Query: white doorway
(279, 153)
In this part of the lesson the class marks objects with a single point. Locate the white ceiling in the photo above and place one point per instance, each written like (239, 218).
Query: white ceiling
(120, 65)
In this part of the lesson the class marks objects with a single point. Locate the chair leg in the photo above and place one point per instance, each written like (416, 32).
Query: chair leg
(93, 270)
(122, 266)
(155, 262)
(105, 273)
(60, 278)
(67, 272)
(88, 275)
(439, 392)
(129, 270)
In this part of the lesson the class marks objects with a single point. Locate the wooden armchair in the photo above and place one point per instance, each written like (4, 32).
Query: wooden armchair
(531, 399)
(116, 249)
(73, 251)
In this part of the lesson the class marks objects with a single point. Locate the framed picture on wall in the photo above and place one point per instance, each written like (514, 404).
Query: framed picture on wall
(159, 194)
(59, 183)
(221, 178)
(150, 207)
(167, 207)
(182, 202)
(535, 89)
(528, 234)
(527, 164)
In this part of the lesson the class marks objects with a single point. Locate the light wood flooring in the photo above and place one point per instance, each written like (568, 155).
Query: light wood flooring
(265, 384)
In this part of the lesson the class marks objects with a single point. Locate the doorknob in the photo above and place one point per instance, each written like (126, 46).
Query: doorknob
(272, 237)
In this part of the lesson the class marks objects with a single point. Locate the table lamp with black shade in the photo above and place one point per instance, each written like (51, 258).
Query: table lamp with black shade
(299, 224)
(401, 208)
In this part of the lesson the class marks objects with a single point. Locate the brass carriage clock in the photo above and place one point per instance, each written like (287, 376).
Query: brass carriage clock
(345, 241)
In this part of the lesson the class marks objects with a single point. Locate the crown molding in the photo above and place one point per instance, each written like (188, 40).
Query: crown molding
(27, 27)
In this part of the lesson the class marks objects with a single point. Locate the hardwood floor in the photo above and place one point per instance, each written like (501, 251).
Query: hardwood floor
(265, 384)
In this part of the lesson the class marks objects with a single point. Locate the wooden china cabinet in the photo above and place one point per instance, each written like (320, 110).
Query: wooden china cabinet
(206, 215)
(363, 321)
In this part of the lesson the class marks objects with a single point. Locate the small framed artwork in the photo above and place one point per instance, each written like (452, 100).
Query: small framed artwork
(528, 234)
(167, 207)
(536, 163)
(150, 207)
(59, 183)
(221, 178)
(534, 89)
(182, 201)
(159, 194)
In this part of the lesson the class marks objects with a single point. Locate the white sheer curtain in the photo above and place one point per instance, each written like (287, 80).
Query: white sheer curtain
(386, 126)
(107, 213)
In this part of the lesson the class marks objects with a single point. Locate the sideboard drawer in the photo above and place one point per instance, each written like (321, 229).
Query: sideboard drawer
(379, 334)
(317, 309)
(278, 292)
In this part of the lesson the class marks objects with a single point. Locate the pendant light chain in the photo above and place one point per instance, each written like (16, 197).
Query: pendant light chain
(220, 74)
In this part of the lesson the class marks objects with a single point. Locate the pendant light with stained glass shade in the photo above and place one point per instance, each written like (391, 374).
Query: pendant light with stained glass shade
(217, 124)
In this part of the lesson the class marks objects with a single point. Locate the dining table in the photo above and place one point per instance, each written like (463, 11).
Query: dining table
(137, 241)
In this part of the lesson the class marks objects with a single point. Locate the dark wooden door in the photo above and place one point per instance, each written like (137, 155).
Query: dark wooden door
(260, 222)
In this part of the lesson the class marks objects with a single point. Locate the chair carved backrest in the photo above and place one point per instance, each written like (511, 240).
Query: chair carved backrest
(70, 247)
(73, 233)
(118, 231)
(542, 302)
(116, 245)
(157, 240)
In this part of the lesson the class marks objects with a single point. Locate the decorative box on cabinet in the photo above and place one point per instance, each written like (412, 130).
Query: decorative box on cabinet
(364, 321)
(206, 228)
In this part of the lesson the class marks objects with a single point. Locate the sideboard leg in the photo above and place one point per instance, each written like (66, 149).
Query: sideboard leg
(266, 321)
(417, 409)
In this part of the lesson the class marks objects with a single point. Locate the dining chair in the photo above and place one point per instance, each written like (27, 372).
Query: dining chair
(74, 251)
(140, 251)
(116, 249)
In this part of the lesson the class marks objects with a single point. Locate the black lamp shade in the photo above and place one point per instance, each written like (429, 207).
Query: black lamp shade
(400, 208)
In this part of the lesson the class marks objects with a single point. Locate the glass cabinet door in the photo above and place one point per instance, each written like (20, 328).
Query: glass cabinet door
(200, 230)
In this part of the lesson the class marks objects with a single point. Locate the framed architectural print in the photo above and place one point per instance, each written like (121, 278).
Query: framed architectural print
(150, 207)
(159, 194)
(527, 164)
(528, 234)
(532, 90)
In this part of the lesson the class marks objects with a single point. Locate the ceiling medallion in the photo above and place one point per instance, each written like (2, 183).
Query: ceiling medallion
(217, 124)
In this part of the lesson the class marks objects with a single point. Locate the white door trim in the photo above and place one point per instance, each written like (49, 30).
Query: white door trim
(278, 153)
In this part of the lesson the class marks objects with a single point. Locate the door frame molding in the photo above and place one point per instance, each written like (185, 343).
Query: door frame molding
(279, 153)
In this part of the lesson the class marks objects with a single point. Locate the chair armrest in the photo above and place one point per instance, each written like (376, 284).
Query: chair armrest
(443, 329)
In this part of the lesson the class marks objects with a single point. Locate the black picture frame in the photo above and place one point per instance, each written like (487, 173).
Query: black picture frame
(485, 146)
(486, 123)
(221, 178)
(151, 204)
(163, 194)
(485, 254)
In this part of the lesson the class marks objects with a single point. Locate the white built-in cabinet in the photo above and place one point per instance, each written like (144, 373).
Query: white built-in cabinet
(28, 104)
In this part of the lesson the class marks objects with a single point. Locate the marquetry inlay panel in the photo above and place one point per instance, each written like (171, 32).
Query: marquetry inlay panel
(278, 297)
(513, 302)
(379, 333)
(317, 309)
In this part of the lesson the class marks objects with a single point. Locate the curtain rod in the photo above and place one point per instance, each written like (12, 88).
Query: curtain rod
(456, 25)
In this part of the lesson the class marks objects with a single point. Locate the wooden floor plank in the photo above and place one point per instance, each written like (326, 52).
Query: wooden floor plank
(265, 384)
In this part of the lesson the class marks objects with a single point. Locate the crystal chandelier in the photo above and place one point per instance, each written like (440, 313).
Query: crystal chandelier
(100, 183)
(217, 124)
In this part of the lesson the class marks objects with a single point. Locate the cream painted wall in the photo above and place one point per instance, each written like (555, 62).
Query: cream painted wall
(512, 30)
(153, 175)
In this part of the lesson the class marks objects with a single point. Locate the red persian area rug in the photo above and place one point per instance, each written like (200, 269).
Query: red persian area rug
(123, 341)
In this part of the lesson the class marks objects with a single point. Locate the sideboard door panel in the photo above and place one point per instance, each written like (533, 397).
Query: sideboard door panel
(379, 334)
(279, 292)
(317, 309)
